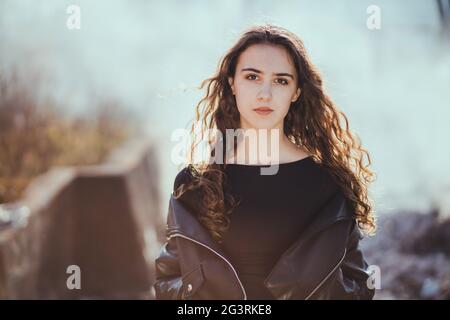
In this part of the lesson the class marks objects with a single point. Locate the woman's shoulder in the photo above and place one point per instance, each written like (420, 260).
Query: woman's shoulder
(325, 180)
(183, 176)
(186, 175)
(190, 197)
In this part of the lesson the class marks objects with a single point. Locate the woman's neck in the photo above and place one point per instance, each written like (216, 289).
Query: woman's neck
(265, 146)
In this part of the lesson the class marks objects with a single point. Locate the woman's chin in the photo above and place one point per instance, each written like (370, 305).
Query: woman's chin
(263, 124)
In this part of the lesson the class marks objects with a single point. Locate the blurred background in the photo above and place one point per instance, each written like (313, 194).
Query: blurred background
(77, 98)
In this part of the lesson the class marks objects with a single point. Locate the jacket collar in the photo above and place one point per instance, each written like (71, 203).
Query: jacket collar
(181, 220)
(332, 210)
(313, 261)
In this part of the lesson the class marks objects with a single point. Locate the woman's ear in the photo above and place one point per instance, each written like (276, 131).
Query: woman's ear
(296, 95)
(230, 81)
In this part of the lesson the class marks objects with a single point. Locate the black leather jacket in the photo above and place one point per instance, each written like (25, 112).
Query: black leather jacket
(325, 262)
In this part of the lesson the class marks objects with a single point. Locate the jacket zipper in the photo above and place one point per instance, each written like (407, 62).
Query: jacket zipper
(328, 275)
(211, 249)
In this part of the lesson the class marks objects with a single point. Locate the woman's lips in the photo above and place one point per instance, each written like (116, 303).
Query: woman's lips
(263, 111)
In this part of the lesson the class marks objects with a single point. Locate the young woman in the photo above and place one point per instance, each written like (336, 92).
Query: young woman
(236, 233)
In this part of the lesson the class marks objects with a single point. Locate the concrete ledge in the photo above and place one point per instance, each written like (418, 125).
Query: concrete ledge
(101, 218)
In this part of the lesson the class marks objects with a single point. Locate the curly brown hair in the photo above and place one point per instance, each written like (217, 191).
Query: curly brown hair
(313, 122)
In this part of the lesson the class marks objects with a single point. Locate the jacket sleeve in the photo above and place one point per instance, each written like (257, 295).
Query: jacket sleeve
(349, 282)
(168, 284)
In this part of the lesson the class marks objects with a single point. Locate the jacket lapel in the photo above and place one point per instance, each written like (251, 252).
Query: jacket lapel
(181, 220)
(335, 209)
(306, 263)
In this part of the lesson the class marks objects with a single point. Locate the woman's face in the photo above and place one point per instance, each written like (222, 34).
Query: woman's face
(265, 78)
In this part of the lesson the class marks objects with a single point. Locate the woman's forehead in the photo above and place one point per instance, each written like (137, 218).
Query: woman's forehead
(266, 58)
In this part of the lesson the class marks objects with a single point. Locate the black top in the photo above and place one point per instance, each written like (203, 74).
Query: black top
(273, 212)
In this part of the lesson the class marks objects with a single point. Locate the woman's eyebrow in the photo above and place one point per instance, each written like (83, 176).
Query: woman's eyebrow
(281, 74)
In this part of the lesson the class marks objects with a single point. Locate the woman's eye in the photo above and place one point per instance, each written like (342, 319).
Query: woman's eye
(282, 81)
(279, 80)
(251, 77)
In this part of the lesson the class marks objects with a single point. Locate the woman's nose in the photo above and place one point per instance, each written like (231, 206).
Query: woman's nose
(265, 92)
